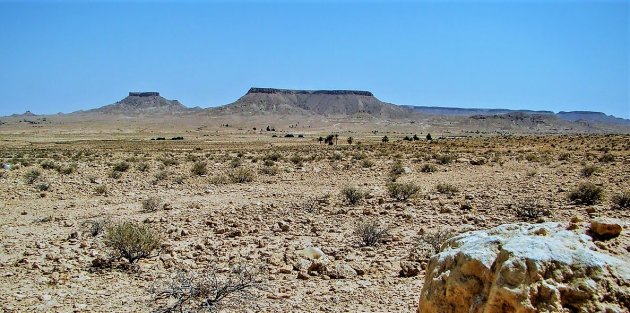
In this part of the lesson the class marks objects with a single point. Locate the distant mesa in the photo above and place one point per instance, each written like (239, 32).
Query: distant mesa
(310, 92)
(142, 102)
(334, 103)
(144, 94)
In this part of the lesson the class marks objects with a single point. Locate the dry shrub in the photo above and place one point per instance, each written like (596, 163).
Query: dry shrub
(151, 204)
(352, 194)
(199, 168)
(622, 200)
(241, 175)
(587, 193)
(371, 233)
(131, 241)
(446, 188)
(402, 191)
(210, 290)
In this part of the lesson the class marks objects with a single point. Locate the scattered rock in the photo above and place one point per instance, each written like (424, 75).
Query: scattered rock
(409, 269)
(341, 270)
(313, 253)
(605, 228)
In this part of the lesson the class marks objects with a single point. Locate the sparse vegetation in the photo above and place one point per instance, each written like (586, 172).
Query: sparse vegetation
(622, 200)
(402, 191)
(446, 188)
(96, 227)
(352, 194)
(530, 210)
(589, 170)
(607, 158)
(444, 158)
(209, 290)
(121, 166)
(131, 241)
(101, 190)
(31, 176)
(367, 163)
(371, 233)
(587, 194)
(435, 239)
(241, 175)
(151, 204)
(428, 168)
(199, 168)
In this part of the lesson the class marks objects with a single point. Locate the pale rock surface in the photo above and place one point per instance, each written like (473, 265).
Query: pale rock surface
(525, 268)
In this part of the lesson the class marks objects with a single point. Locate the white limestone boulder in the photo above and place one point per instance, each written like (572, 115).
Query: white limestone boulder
(525, 268)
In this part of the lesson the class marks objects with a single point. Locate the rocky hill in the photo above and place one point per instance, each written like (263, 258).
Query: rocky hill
(333, 103)
(142, 103)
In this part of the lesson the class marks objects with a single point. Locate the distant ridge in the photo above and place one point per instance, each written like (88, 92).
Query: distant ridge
(571, 116)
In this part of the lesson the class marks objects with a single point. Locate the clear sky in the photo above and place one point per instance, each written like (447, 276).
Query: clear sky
(545, 55)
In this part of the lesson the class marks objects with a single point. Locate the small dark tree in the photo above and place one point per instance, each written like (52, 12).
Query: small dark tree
(350, 139)
(320, 139)
(385, 139)
(268, 129)
(416, 138)
(429, 137)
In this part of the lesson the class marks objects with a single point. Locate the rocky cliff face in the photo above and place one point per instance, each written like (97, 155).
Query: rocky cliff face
(313, 102)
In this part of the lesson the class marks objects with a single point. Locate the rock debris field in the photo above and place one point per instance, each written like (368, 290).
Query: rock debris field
(300, 226)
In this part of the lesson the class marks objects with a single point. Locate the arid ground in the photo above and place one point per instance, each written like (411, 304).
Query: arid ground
(261, 201)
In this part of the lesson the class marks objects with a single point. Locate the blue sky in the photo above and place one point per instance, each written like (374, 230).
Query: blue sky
(548, 55)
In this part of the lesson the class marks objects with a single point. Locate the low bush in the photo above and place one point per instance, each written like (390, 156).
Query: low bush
(402, 191)
(241, 175)
(622, 200)
(352, 194)
(371, 233)
(530, 210)
(31, 176)
(428, 168)
(587, 193)
(101, 190)
(199, 168)
(131, 241)
(367, 163)
(436, 238)
(607, 158)
(121, 166)
(444, 158)
(589, 170)
(446, 188)
(151, 204)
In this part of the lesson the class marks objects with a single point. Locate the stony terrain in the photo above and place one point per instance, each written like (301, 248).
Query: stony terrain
(292, 202)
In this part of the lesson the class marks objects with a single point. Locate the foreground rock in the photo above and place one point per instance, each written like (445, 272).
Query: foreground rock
(525, 268)
(606, 227)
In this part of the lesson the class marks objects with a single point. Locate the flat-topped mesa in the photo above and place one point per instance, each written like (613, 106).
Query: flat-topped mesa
(144, 94)
(309, 92)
